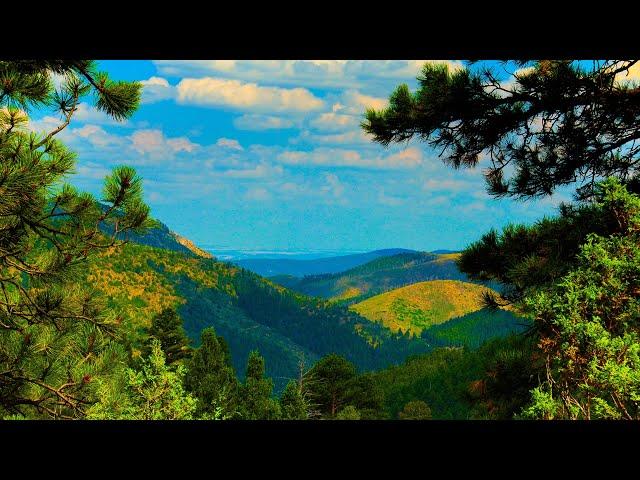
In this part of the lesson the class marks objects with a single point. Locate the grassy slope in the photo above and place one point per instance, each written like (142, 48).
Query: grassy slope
(419, 306)
(377, 276)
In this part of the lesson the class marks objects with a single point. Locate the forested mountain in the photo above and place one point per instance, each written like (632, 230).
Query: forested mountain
(377, 276)
(249, 311)
(299, 268)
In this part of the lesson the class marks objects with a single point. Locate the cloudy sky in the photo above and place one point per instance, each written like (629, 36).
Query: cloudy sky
(270, 155)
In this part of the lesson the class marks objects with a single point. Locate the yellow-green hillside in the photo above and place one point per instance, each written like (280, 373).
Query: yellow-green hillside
(421, 305)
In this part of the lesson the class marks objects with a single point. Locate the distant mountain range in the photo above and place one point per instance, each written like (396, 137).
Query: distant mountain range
(270, 267)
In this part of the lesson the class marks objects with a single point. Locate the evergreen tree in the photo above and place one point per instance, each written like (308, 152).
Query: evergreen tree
(256, 401)
(167, 327)
(56, 337)
(588, 324)
(292, 402)
(551, 123)
(211, 377)
(152, 392)
(331, 385)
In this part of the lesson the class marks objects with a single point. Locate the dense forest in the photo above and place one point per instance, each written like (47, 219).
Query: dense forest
(106, 314)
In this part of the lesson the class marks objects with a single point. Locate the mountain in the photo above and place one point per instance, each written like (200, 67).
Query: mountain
(376, 276)
(161, 237)
(417, 307)
(284, 266)
(249, 311)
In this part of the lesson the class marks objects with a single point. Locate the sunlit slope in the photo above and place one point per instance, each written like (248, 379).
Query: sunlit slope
(419, 306)
(377, 276)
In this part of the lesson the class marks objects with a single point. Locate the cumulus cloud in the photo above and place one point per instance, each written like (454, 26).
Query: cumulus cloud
(333, 157)
(229, 143)
(262, 122)
(334, 122)
(156, 89)
(310, 73)
(220, 92)
(155, 143)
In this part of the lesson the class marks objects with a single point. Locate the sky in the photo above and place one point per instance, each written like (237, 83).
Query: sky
(270, 155)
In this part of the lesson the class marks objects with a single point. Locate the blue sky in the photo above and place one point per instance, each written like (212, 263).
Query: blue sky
(270, 155)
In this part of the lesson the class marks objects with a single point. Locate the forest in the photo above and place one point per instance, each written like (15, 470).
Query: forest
(105, 314)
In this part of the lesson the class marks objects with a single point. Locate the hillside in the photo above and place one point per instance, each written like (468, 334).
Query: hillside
(419, 306)
(377, 276)
(248, 310)
(298, 268)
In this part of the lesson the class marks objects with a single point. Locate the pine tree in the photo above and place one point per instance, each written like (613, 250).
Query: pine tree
(56, 338)
(332, 378)
(292, 403)
(211, 377)
(168, 328)
(154, 391)
(256, 402)
(551, 123)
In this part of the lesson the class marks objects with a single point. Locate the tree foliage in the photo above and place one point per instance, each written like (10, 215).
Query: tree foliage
(153, 391)
(550, 123)
(211, 377)
(256, 400)
(55, 335)
(588, 324)
(167, 327)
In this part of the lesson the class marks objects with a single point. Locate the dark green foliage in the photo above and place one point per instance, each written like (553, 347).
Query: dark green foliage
(334, 383)
(475, 328)
(452, 381)
(210, 376)
(256, 402)
(331, 383)
(415, 410)
(167, 328)
(292, 402)
(556, 123)
(57, 336)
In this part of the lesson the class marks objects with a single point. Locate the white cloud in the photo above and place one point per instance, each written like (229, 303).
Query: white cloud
(334, 186)
(154, 143)
(409, 158)
(219, 92)
(334, 122)
(229, 143)
(261, 122)
(156, 89)
(357, 103)
(259, 171)
(311, 73)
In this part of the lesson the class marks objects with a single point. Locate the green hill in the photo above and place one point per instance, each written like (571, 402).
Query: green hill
(419, 306)
(377, 276)
(248, 310)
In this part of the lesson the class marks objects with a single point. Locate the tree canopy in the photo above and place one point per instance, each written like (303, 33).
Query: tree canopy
(550, 123)
(55, 335)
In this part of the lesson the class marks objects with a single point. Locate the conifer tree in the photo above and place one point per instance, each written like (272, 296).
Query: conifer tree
(550, 123)
(56, 338)
(153, 391)
(292, 403)
(210, 376)
(256, 401)
(168, 328)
